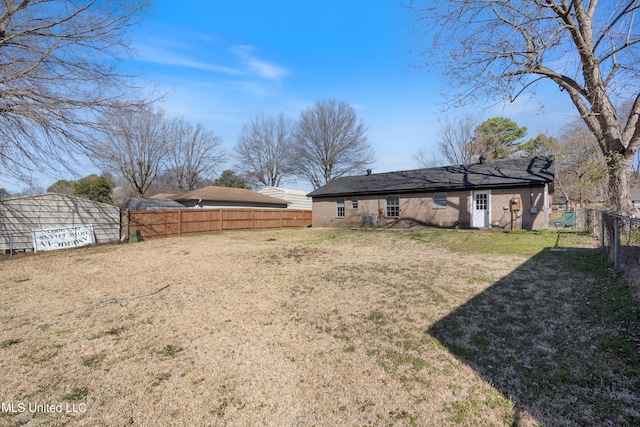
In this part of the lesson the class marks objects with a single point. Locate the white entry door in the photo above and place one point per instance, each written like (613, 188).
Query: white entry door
(481, 209)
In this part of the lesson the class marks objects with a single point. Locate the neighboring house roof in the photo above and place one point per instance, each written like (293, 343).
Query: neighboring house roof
(297, 199)
(162, 196)
(229, 194)
(499, 174)
(148, 203)
(635, 194)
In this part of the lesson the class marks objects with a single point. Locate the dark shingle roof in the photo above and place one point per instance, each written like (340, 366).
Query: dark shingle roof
(502, 174)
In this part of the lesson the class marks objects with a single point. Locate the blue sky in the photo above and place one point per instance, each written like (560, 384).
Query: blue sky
(223, 62)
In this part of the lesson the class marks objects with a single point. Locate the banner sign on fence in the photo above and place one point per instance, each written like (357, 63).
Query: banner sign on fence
(63, 238)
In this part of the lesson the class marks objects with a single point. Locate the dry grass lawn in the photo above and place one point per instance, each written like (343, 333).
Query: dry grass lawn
(317, 327)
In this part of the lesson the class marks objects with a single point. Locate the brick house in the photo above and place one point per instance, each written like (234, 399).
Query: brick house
(509, 194)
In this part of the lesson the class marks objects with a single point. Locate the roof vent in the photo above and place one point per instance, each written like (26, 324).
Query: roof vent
(482, 159)
(369, 172)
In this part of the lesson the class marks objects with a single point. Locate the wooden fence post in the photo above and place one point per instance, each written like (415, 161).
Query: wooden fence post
(220, 221)
(179, 222)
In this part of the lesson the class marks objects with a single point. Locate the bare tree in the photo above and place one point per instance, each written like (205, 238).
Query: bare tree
(456, 139)
(263, 151)
(580, 171)
(135, 145)
(194, 154)
(424, 161)
(455, 142)
(57, 74)
(587, 49)
(330, 142)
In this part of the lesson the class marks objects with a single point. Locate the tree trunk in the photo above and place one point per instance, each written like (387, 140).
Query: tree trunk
(619, 197)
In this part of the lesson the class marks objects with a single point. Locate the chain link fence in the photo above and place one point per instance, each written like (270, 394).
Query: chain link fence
(619, 239)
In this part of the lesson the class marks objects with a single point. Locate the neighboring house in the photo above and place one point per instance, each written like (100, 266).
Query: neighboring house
(296, 199)
(510, 194)
(228, 197)
(19, 216)
(635, 197)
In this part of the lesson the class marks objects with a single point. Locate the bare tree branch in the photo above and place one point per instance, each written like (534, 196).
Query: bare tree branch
(58, 74)
(330, 142)
(455, 142)
(264, 151)
(135, 145)
(194, 154)
(494, 49)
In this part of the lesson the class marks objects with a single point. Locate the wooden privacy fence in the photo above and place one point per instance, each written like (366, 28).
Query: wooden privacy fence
(175, 222)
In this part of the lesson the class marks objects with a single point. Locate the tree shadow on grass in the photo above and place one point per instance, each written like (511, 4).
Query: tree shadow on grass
(558, 336)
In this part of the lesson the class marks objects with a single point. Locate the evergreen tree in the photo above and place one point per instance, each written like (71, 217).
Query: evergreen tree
(228, 178)
(94, 187)
(497, 138)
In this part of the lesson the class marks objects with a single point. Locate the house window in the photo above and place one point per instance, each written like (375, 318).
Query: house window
(481, 202)
(354, 203)
(439, 200)
(340, 206)
(393, 206)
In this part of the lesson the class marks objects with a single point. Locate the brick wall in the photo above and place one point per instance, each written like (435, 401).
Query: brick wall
(419, 208)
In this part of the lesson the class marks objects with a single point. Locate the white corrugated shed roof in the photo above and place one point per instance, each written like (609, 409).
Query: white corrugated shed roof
(296, 199)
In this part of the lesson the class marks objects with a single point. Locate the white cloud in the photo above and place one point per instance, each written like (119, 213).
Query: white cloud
(266, 70)
(256, 65)
(166, 57)
(250, 65)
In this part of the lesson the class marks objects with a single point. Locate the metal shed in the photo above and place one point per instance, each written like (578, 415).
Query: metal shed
(19, 216)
